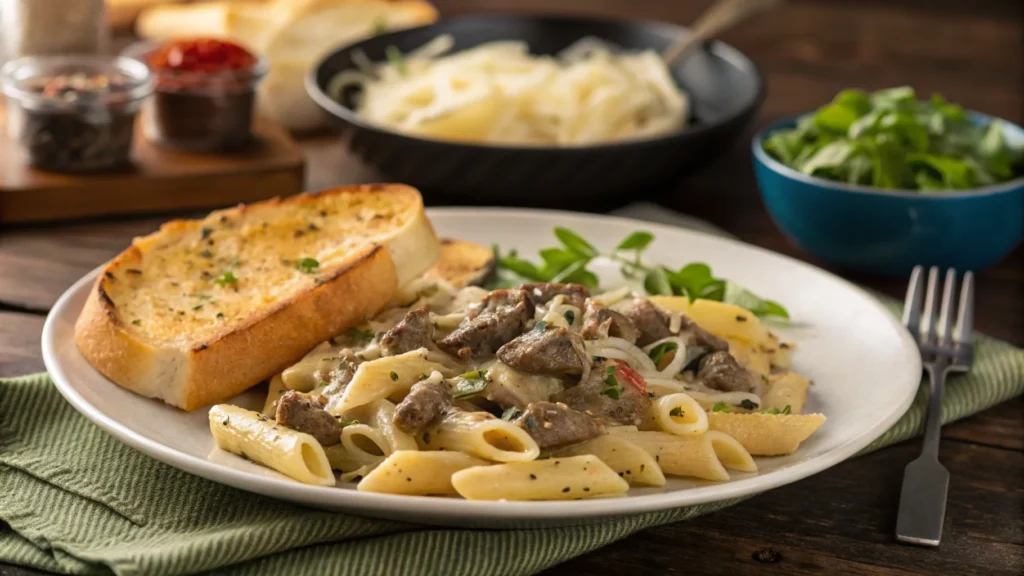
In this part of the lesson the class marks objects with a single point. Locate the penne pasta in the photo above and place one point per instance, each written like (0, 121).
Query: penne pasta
(344, 460)
(550, 479)
(767, 434)
(679, 414)
(482, 435)
(750, 355)
(703, 456)
(389, 377)
(364, 443)
(357, 474)
(379, 415)
(274, 393)
(418, 473)
(258, 438)
(786, 389)
(631, 462)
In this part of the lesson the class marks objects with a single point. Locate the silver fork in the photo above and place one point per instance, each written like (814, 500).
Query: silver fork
(944, 349)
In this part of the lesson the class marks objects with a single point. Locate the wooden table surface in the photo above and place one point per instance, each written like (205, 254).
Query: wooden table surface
(842, 520)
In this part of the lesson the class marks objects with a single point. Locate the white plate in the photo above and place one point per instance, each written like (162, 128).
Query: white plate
(864, 366)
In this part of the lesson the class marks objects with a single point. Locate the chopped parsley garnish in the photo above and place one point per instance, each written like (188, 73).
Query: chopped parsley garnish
(570, 316)
(396, 59)
(307, 265)
(226, 278)
(205, 232)
(220, 315)
(469, 384)
(748, 405)
(197, 307)
(359, 335)
(659, 351)
(345, 422)
(380, 26)
(540, 326)
(611, 385)
(677, 411)
(787, 410)
(226, 420)
(720, 407)
(136, 322)
(323, 384)
(205, 253)
(511, 413)
(394, 376)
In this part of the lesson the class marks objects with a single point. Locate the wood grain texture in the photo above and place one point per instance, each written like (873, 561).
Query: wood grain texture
(840, 521)
(161, 179)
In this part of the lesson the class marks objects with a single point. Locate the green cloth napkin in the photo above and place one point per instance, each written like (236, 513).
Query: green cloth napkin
(80, 502)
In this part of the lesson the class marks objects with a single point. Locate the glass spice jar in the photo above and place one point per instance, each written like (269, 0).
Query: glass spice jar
(74, 113)
(47, 27)
(204, 93)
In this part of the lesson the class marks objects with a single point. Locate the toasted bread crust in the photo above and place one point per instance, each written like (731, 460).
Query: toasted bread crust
(268, 339)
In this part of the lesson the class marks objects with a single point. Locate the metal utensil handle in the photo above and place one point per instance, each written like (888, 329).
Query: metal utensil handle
(933, 427)
(721, 16)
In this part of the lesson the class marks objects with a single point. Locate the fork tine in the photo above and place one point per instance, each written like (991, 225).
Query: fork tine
(931, 297)
(912, 303)
(965, 315)
(944, 332)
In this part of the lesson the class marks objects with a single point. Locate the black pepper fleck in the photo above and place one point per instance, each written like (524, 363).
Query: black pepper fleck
(740, 318)
(586, 489)
(566, 489)
(533, 476)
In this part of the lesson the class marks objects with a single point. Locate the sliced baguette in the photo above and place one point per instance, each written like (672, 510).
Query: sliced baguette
(159, 323)
(462, 263)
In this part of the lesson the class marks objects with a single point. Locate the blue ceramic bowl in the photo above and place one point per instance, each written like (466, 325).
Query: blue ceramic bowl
(891, 231)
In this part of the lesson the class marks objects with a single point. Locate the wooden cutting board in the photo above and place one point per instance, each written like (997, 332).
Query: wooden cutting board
(160, 180)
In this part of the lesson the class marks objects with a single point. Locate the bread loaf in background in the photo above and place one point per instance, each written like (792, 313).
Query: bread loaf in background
(293, 34)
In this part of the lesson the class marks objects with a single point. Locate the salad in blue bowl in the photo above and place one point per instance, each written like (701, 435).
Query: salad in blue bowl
(882, 182)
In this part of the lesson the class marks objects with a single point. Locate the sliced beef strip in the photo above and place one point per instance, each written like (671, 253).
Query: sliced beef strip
(554, 425)
(339, 377)
(424, 404)
(553, 350)
(305, 413)
(543, 292)
(703, 337)
(500, 317)
(650, 321)
(630, 409)
(412, 332)
(600, 321)
(719, 370)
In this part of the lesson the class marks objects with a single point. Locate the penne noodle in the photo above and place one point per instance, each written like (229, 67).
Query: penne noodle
(631, 462)
(344, 460)
(274, 393)
(767, 434)
(696, 456)
(550, 479)
(418, 473)
(389, 377)
(482, 435)
(357, 474)
(365, 443)
(258, 438)
(679, 414)
(379, 415)
(786, 389)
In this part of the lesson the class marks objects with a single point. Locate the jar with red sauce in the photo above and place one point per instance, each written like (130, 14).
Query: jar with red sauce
(205, 93)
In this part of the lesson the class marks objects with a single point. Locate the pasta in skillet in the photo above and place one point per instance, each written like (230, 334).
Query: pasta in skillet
(541, 392)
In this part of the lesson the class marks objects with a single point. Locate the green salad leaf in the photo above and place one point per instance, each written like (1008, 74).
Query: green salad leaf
(890, 139)
(568, 263)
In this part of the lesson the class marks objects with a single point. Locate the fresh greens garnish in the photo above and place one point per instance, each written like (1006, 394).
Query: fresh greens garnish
(659, 351)
(307, 265)
(748, 405)
(570, 316)
(889, 139)
(359, 335)
(611, 385)
(787, 410)
(469, 384)
(568, 263)
(677, 411)
(345, 422)
(396, 59)
(511, 413)
(720, 407)
(227, 277)
(394, 376)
